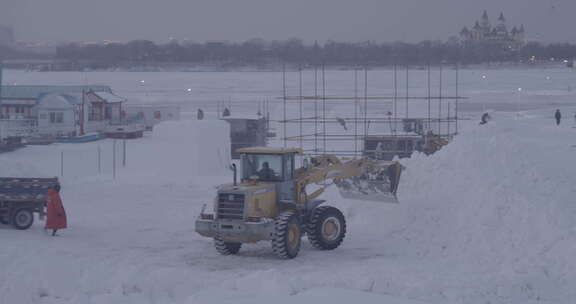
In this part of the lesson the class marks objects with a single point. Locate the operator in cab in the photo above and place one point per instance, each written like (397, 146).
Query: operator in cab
(266, 173)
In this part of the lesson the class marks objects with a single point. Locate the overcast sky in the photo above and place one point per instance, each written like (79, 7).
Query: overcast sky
(239, 20)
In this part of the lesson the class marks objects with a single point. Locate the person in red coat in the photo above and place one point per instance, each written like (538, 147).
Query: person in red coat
(56, 215)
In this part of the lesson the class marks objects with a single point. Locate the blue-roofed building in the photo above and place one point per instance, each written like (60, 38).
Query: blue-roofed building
(18, 101)
(62, 110)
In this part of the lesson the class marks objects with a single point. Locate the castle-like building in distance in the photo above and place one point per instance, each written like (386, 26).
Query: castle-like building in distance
(484, 32)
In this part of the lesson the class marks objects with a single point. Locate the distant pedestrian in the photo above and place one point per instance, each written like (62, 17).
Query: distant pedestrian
(342, 122)
(226, 112)
(485, 118)
(558, 116)
(56, 215)
(200, 114)
(379, 151)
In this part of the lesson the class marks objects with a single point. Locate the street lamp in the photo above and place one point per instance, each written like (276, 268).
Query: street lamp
(518, 103)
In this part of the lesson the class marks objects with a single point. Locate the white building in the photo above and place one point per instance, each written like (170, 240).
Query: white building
(62, 110)
(56, 116)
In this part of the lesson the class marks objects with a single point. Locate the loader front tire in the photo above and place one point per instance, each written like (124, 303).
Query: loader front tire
(326, 228)
(226, 248)
(287, 235)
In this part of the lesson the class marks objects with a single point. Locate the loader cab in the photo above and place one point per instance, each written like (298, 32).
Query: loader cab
(272, 165)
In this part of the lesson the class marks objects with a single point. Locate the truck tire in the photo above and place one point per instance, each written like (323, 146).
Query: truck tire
(326, 228)
(22, 219)
(287, 235)
(226, 248)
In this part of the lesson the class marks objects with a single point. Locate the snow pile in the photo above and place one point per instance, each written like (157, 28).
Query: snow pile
(498, 203)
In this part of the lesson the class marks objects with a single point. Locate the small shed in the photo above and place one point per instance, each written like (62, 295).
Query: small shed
(414, 125)
(150, 115)
(386, 147)
(246, 131)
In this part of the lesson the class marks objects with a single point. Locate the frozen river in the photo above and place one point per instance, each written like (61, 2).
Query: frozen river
(485, 89)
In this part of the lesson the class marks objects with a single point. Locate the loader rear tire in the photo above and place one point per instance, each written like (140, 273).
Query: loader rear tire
(287, 236)
(226, 248)
(326, 228)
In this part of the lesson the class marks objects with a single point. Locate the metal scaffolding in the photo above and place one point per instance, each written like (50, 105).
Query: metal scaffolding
(375, 116)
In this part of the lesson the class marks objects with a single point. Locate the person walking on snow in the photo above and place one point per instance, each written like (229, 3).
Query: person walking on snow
(558, 116)
(485, 118)
(56, 215)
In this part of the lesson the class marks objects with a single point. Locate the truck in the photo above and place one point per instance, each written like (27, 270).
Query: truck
(277, 202)
(21, 198)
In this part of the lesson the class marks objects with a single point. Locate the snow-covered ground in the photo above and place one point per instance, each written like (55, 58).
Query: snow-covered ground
(488, 219)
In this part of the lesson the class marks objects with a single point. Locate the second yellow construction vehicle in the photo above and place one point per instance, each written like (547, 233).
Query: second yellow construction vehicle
(277, 202)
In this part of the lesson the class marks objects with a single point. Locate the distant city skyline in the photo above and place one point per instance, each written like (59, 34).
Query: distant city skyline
(58, 21)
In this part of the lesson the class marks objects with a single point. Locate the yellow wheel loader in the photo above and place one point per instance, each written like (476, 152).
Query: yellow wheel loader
(274, 201)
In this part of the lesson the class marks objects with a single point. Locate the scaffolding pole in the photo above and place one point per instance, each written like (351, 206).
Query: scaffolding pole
(457, 96)
(1, 72)
(365, 101)
(395, 98)
(356, 110)
(324, 105)
(407, 92)
(429, 99)
(316, 108)
(284, 100)
(300, 100)
(440, 100)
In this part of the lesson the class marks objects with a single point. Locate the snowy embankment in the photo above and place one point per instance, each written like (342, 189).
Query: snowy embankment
(495, 211)
(489, 219)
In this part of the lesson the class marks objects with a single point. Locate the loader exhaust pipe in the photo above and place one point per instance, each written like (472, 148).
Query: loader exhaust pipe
(234, 169)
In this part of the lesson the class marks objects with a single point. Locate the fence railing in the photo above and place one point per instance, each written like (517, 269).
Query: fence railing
(18, 127)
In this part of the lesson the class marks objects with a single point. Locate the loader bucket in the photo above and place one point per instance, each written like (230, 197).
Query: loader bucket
(377, 181)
